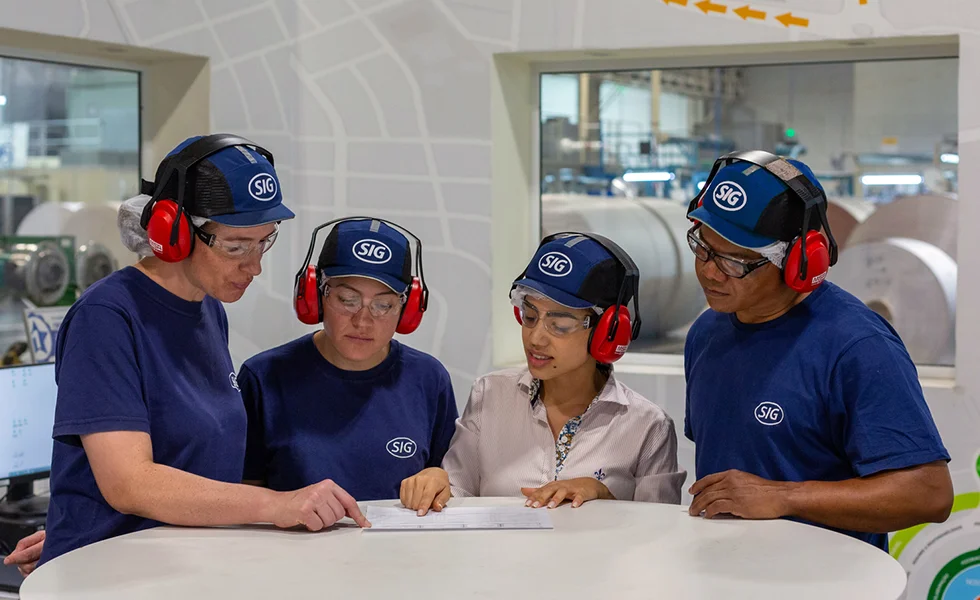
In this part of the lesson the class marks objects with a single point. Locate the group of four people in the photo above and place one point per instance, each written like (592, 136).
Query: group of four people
(802, 403)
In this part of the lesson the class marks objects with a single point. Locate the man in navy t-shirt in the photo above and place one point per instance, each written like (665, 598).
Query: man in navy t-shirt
(348, 402)
(802, 402)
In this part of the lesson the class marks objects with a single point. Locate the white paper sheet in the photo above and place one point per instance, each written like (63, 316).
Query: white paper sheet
(498, 517)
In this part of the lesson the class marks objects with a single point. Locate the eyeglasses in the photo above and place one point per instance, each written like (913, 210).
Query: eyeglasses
(736, 268)
(347, 301)
(238, 250)
(558, 324)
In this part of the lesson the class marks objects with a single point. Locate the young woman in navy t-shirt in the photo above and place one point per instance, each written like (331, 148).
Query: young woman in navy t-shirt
(348, 402)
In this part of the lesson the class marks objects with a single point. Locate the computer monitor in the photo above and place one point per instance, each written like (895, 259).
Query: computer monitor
(27, 399)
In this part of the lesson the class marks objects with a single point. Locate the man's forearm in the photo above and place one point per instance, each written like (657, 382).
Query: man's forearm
(878, 504)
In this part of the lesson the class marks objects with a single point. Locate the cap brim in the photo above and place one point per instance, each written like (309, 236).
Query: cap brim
(254, 219)
(732, 233)
(394, 284)
(563, 298)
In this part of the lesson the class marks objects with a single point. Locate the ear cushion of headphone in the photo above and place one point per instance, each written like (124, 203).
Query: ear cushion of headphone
(600, 347)
(517, 315)
(412, 313)
(817, 265)
(158, 232)
(690, 210)
(306, 298)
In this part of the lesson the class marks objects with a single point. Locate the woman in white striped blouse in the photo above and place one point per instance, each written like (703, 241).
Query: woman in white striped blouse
(561, 428)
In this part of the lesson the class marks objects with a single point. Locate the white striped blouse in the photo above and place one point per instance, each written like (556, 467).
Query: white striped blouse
(503, 442)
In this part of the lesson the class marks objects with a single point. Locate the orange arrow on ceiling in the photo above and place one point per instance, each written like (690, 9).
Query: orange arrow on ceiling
(747, 13)
(788, 20)
(681, 2)
(707, 6)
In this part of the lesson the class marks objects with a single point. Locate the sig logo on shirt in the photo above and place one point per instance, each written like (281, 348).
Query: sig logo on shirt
(555, 264)
(263, 187)
(233, 379)
(729, 196)
(372, 251)
(769, 413)
(402, 447)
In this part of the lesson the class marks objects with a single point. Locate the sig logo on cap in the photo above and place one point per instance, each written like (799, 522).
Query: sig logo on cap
(263, 187)
(729, 196)
(555, 264)
(372, 251)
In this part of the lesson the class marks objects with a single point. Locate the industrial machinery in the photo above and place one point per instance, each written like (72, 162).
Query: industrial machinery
(43, 271)
(37, 268)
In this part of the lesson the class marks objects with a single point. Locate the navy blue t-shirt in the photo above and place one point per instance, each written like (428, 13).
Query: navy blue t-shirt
(131, 356)
(827, 392)
(366, 430)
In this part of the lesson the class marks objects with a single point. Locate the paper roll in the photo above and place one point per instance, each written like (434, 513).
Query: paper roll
(910, 283)
(88, 222)
(653, 232)
(845, 214)
(931, 218)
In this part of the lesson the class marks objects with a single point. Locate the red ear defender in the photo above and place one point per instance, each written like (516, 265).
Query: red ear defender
(517, 315)
(414, 308)
(600, 347)
(306, 298)
(817, 263)
(159, 228)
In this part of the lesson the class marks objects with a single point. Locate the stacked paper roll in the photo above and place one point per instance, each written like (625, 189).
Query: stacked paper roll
(653, 232)
(910, 283)
(844, 216)
(931, 218)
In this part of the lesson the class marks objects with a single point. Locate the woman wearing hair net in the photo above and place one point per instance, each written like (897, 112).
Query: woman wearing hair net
(149, 425)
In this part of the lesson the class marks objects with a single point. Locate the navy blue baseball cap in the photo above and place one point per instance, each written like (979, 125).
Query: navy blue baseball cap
(368, 248)
(236, 186)
(575, 271)
(752, 208)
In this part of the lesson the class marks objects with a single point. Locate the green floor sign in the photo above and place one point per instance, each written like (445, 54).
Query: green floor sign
(959, 579)
(943, 559)
(901, 539)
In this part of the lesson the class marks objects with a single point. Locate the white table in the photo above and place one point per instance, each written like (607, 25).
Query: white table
(602, 550)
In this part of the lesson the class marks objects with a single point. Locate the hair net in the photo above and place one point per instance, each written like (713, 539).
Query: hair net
(131, 233)
(775, 253)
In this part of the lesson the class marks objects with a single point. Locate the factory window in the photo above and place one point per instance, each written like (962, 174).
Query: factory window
(69, 154)
(880, 135)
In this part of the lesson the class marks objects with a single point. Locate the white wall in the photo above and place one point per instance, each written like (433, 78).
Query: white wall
(837, 107)
(383, 106)
(822, 111)
(911, 102)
